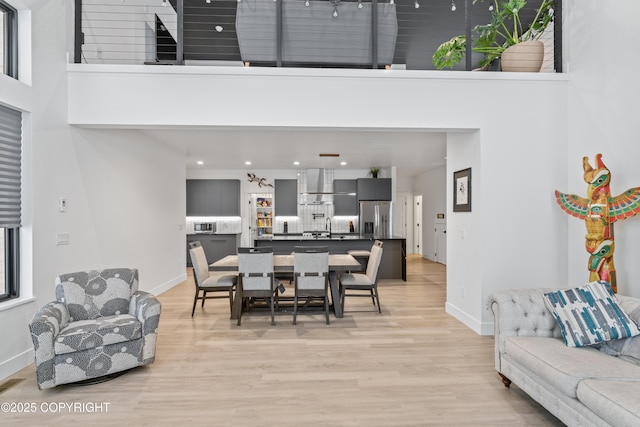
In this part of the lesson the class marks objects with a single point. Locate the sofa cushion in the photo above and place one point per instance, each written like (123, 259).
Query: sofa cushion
(590, 314)
(627, 348)
(87, 334)
(616, 402)
(564, 367)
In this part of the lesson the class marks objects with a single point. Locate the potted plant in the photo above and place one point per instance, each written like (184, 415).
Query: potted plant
(504, 31)
(374, 171)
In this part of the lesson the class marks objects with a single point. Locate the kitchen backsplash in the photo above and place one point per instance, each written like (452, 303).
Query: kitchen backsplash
(224, 224)
(314, 218)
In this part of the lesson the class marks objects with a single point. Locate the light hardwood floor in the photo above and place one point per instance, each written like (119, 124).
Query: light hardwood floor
(412, 365)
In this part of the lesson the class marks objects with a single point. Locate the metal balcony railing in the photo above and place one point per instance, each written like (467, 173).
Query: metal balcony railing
(400, 34)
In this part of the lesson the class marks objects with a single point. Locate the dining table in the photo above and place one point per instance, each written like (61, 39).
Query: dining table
(338, 263)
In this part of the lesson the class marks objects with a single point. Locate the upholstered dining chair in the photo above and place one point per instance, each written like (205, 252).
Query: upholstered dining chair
(311, 276)
(367, 281)
(208, 281)
(362, 255)
(256, 279)
(99, 325)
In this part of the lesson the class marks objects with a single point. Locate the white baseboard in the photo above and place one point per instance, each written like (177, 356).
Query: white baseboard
(472, 323)
(169, 284)
(16, 363)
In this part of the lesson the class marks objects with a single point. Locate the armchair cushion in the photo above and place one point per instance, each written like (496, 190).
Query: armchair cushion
(93, 294)
(86, 334)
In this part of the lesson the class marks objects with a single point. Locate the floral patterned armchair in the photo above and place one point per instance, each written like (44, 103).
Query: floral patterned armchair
(100, 324)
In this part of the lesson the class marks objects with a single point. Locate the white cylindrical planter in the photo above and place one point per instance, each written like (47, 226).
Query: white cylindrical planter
(526, 56)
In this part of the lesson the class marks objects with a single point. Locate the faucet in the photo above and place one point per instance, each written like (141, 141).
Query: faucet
(328, 225)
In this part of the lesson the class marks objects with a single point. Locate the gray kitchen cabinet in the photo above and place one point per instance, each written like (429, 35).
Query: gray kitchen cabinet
(344, 204)
(213, 197)
(286, 197)
(216, 246)
(229, 201)
(374, 188)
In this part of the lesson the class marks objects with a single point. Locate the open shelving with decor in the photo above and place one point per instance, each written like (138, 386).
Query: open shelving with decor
(264, 216)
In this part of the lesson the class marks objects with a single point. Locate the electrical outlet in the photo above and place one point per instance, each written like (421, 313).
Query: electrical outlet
(62, 239)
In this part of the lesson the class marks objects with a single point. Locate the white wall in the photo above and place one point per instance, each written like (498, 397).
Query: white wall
(603, 118)
(516, 195)
(126, 194)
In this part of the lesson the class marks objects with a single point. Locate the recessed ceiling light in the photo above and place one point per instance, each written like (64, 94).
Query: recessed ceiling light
(200, 162)
(343, 163)
(247, 163)
(296, 163)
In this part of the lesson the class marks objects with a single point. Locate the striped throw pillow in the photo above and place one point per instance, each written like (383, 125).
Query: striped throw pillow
(590, 314)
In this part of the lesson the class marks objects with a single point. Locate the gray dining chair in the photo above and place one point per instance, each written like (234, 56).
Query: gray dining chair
(367, 281)
(208, 281)
(362, 255)
(255, 268)
(311, 276)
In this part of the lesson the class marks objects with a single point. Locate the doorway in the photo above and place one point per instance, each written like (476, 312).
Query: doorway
(417, 227)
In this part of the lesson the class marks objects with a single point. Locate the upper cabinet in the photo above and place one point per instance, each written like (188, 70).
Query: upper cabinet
(286, 197)
(345, 204)
(213, 197)
(374, 188)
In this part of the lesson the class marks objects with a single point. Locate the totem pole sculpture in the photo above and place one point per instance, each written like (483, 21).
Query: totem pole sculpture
(599, 211)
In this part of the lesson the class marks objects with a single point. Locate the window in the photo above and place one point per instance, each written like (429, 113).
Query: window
(8, 40)
(10, 200)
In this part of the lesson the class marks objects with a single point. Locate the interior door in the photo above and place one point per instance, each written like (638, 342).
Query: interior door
(417, 227)
(441, 242)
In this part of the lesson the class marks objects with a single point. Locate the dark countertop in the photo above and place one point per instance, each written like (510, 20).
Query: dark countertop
(334, 237)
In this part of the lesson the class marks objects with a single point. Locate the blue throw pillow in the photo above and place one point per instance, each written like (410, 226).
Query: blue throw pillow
(590, 314)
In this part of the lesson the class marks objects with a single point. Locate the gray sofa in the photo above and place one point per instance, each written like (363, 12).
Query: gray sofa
(587, 386)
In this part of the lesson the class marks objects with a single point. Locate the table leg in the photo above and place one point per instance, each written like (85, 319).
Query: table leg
(237, 302)
(335, 294)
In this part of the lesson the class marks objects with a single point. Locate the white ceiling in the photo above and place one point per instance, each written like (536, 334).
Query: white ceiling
(412, 152)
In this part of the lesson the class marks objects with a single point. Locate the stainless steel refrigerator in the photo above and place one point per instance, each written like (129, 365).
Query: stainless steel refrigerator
(375, 219)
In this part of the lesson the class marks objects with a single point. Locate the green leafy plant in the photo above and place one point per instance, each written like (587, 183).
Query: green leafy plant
(504, 30)
(374, 171)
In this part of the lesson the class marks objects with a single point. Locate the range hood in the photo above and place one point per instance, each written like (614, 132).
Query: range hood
(316, 187)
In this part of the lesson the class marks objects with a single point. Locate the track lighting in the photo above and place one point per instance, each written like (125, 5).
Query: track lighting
(453, 6)
(392, 2)
(306, 3)
(208, 1)
(359, 4)
(164, 3)
(335, 11)
(416, 4)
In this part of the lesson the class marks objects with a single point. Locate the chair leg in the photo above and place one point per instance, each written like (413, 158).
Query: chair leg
(240, 311)
(230, 300)
(204, 295)
(378, 299)
(373, 299)
(342, 294)
(326, 307)
(195, 300)
(273, 320)
(295, 308)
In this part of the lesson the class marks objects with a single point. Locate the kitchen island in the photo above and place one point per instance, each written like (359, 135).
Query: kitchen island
(392, 266)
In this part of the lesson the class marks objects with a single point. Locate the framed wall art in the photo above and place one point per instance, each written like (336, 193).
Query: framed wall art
(462, 190)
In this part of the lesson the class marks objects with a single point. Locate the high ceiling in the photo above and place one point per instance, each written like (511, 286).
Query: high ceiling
(412, 152)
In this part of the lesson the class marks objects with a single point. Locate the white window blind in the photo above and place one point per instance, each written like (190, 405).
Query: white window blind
(10, 167)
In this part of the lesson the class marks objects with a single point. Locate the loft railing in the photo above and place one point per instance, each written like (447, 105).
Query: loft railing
(401, 34)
